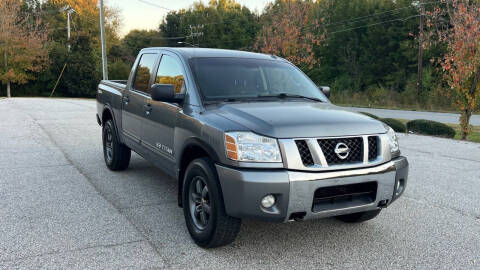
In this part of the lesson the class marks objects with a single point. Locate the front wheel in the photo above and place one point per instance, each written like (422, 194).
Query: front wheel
(359, 217)
(208, 224)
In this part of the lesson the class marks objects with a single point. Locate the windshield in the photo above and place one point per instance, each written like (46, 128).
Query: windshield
(237, 78)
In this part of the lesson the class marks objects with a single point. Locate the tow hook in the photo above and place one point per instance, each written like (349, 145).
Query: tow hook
(383, 204)
(299, 216)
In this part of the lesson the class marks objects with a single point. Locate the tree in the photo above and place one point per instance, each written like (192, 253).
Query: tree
(22, 38)
(80, 65)
(226, 24)
(457, 24)
(291, 30)
(136, 40)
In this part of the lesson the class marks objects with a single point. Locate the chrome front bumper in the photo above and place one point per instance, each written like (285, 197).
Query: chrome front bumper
(243, 190)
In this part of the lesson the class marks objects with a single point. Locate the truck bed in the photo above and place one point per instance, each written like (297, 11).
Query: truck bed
(118, 84)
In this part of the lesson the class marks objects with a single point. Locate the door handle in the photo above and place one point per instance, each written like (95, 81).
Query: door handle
(147, 108)
(126, 100)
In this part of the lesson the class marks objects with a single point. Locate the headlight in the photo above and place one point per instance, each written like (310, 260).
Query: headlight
(250, 147)
(393, 140)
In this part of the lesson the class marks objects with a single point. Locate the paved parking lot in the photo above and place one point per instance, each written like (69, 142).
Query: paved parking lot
(60, 207)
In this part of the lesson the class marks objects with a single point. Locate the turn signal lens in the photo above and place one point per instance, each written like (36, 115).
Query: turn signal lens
(232, 151)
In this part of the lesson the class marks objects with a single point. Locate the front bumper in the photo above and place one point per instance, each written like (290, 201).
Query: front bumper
(244, 189)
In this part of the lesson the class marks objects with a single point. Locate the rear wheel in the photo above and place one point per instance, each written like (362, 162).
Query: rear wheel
(116, 154)
(359, 217)
(208, 224)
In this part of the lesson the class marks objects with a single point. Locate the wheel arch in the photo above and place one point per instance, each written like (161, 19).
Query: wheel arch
(193, 148)
(107, 113)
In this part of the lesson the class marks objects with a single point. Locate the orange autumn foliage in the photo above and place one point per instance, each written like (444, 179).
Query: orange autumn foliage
(22, 44)
(288, 32)
(461, 64)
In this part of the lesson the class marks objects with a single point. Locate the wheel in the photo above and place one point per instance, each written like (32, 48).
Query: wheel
(205, 217)
(359, 217)
(116, 154)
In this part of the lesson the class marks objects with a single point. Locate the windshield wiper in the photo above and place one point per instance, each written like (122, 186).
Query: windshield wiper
(221, 100)
(286, 95)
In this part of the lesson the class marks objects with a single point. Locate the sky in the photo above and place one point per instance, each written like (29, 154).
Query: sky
(136, 14)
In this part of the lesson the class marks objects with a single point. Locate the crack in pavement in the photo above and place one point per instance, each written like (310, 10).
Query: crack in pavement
(440, 155)
(70, 251)
(38, 166)
(456, 210)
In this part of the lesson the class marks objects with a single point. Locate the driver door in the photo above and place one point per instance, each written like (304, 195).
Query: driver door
(159, 125)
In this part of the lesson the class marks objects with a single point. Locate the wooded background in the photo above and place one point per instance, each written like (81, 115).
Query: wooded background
(365, 50)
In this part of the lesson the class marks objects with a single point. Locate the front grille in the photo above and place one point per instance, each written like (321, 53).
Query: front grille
(354, 143)
(305, 154)
(372, 147)
(336, 197)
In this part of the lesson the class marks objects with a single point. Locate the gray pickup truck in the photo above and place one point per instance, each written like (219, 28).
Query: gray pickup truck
(248, 135)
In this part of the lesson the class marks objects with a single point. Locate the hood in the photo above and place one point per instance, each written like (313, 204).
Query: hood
(291, 119)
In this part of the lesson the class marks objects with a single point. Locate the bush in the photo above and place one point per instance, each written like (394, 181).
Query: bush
(371, 115)
(119, 70)
(397, 125)
(376, 94)
(433, 128)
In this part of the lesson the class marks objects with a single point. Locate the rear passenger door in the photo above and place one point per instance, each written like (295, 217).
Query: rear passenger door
(159, 125)
(136, 96)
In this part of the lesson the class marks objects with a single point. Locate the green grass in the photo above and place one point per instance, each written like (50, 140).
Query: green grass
(402, 108)
(473, 137)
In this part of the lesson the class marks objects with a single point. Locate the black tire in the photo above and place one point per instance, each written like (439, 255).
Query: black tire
(219, 228)
(359, 217)
(116, 154)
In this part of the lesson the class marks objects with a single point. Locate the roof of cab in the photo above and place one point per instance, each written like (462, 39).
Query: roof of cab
(189, 53)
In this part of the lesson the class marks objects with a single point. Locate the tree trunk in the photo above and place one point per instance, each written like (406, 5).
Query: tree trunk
(465, 123)
(5, 59)
(8, 90)
(467, 113)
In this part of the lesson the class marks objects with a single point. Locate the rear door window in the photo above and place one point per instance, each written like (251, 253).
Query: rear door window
(144, 71)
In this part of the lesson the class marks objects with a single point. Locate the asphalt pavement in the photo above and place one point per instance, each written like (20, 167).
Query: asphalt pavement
(448, 118)
(61, 208)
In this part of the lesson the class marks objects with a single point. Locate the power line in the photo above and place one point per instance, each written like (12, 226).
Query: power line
(361, 18)
(373, 24)
(155, 5)
(348, 29)
(357, 19)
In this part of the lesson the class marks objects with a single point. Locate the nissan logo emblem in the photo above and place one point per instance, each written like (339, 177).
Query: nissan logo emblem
(342, 150)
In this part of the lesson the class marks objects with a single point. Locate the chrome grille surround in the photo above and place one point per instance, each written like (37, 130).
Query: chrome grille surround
(293, 160)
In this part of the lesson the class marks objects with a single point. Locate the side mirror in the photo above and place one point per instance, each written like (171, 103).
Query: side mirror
(165, 93)
(325, 90)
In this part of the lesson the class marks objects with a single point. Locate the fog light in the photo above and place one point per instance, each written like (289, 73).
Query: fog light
(268, 201)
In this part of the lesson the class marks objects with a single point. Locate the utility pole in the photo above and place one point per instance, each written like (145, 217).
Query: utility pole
(195, 32)
(420, 50)
(104, 50)
(69, 11)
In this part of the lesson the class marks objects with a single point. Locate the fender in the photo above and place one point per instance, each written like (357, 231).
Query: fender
(194, 141)
(107, 107)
